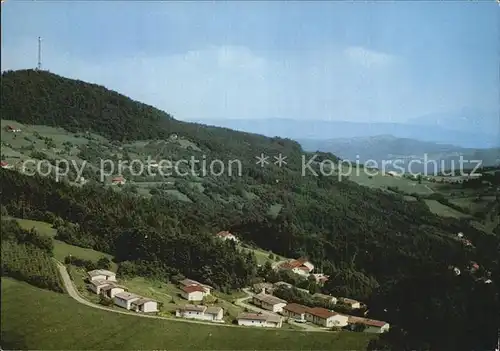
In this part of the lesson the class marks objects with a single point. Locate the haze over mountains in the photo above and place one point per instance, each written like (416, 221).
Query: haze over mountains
(473, 131)
(442, 138)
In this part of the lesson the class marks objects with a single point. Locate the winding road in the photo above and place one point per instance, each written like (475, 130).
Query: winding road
(73, 292)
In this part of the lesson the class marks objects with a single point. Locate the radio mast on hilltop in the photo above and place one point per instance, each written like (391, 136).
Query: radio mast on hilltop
(39, 66)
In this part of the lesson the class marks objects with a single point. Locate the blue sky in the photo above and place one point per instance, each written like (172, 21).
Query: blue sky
(356, 61)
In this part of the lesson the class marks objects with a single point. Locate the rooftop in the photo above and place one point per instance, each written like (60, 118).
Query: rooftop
(100, 282)
(142, 301)
(366, 321)
(260, 317)
(127, 296)
(323, 296)
(349, 301)
(213, 310)
(189, 282)
(104, 272)
(193, 288)
(269, 299)
(321, 312)
(296, 308)
(193, 308)
(223, 234)
(111, 286)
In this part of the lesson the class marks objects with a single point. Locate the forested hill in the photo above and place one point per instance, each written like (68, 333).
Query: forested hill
(40, 97)
(376, 246)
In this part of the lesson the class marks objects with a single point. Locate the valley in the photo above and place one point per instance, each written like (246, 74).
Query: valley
(154, 228)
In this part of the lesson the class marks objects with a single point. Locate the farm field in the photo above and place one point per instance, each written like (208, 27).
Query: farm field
(384, 181)
(443, 210)
(33, 318)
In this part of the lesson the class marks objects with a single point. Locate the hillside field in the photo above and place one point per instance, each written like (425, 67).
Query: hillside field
(33, 318)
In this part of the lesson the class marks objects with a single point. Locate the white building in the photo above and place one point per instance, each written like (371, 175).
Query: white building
(225, 235)
(213, 314)
(269, 302)
(144, 305)
(301, 266)
(125, 299)
(327, 298)
(101, 274)
(193, 293)
(111, 290)
(259, 320)
(351, 303)
(295, 311)
(371, 325)
(98, 284)
(189, 282)
(326, 318)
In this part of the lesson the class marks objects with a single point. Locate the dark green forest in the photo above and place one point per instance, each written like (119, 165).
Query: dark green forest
(390, 253)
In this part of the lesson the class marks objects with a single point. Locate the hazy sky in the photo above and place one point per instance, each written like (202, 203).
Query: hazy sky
(310, 60)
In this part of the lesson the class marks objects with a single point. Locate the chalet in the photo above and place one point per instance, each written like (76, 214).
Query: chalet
(125, 299)
(351, 303)
(213, 314)
(144, 305)
(269, 302)
(13, 129)
(190, 282)
(300, 266)
(98, 284)
(263, 288)
(371, 325)
(326, 298)
(111, 290)
(225, 235)
(193, 292)
(326, 318)
(118, 180)
(101, 274)
(259, 320)
(295, 311)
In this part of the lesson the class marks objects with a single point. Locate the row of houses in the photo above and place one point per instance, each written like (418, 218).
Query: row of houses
(328, 319)
(316, 315)
(268, 288)
(104, 283)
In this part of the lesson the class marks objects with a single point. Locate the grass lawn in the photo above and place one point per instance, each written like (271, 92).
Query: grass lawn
(33, 318)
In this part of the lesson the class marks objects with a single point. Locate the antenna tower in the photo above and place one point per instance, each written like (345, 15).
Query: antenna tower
(39, 66)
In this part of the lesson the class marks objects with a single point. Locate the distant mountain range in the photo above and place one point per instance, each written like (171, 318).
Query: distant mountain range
(388, 149)
(443, 129)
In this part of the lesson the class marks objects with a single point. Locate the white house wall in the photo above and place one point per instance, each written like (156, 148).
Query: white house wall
(150, 306)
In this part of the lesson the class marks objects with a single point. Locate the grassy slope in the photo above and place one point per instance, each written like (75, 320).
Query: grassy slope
(61, 249)
(38, 319)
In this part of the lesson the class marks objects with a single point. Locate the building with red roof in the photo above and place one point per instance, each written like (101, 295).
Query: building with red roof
(371, 325)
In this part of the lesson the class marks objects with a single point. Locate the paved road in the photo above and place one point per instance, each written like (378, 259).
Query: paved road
(73, 292)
